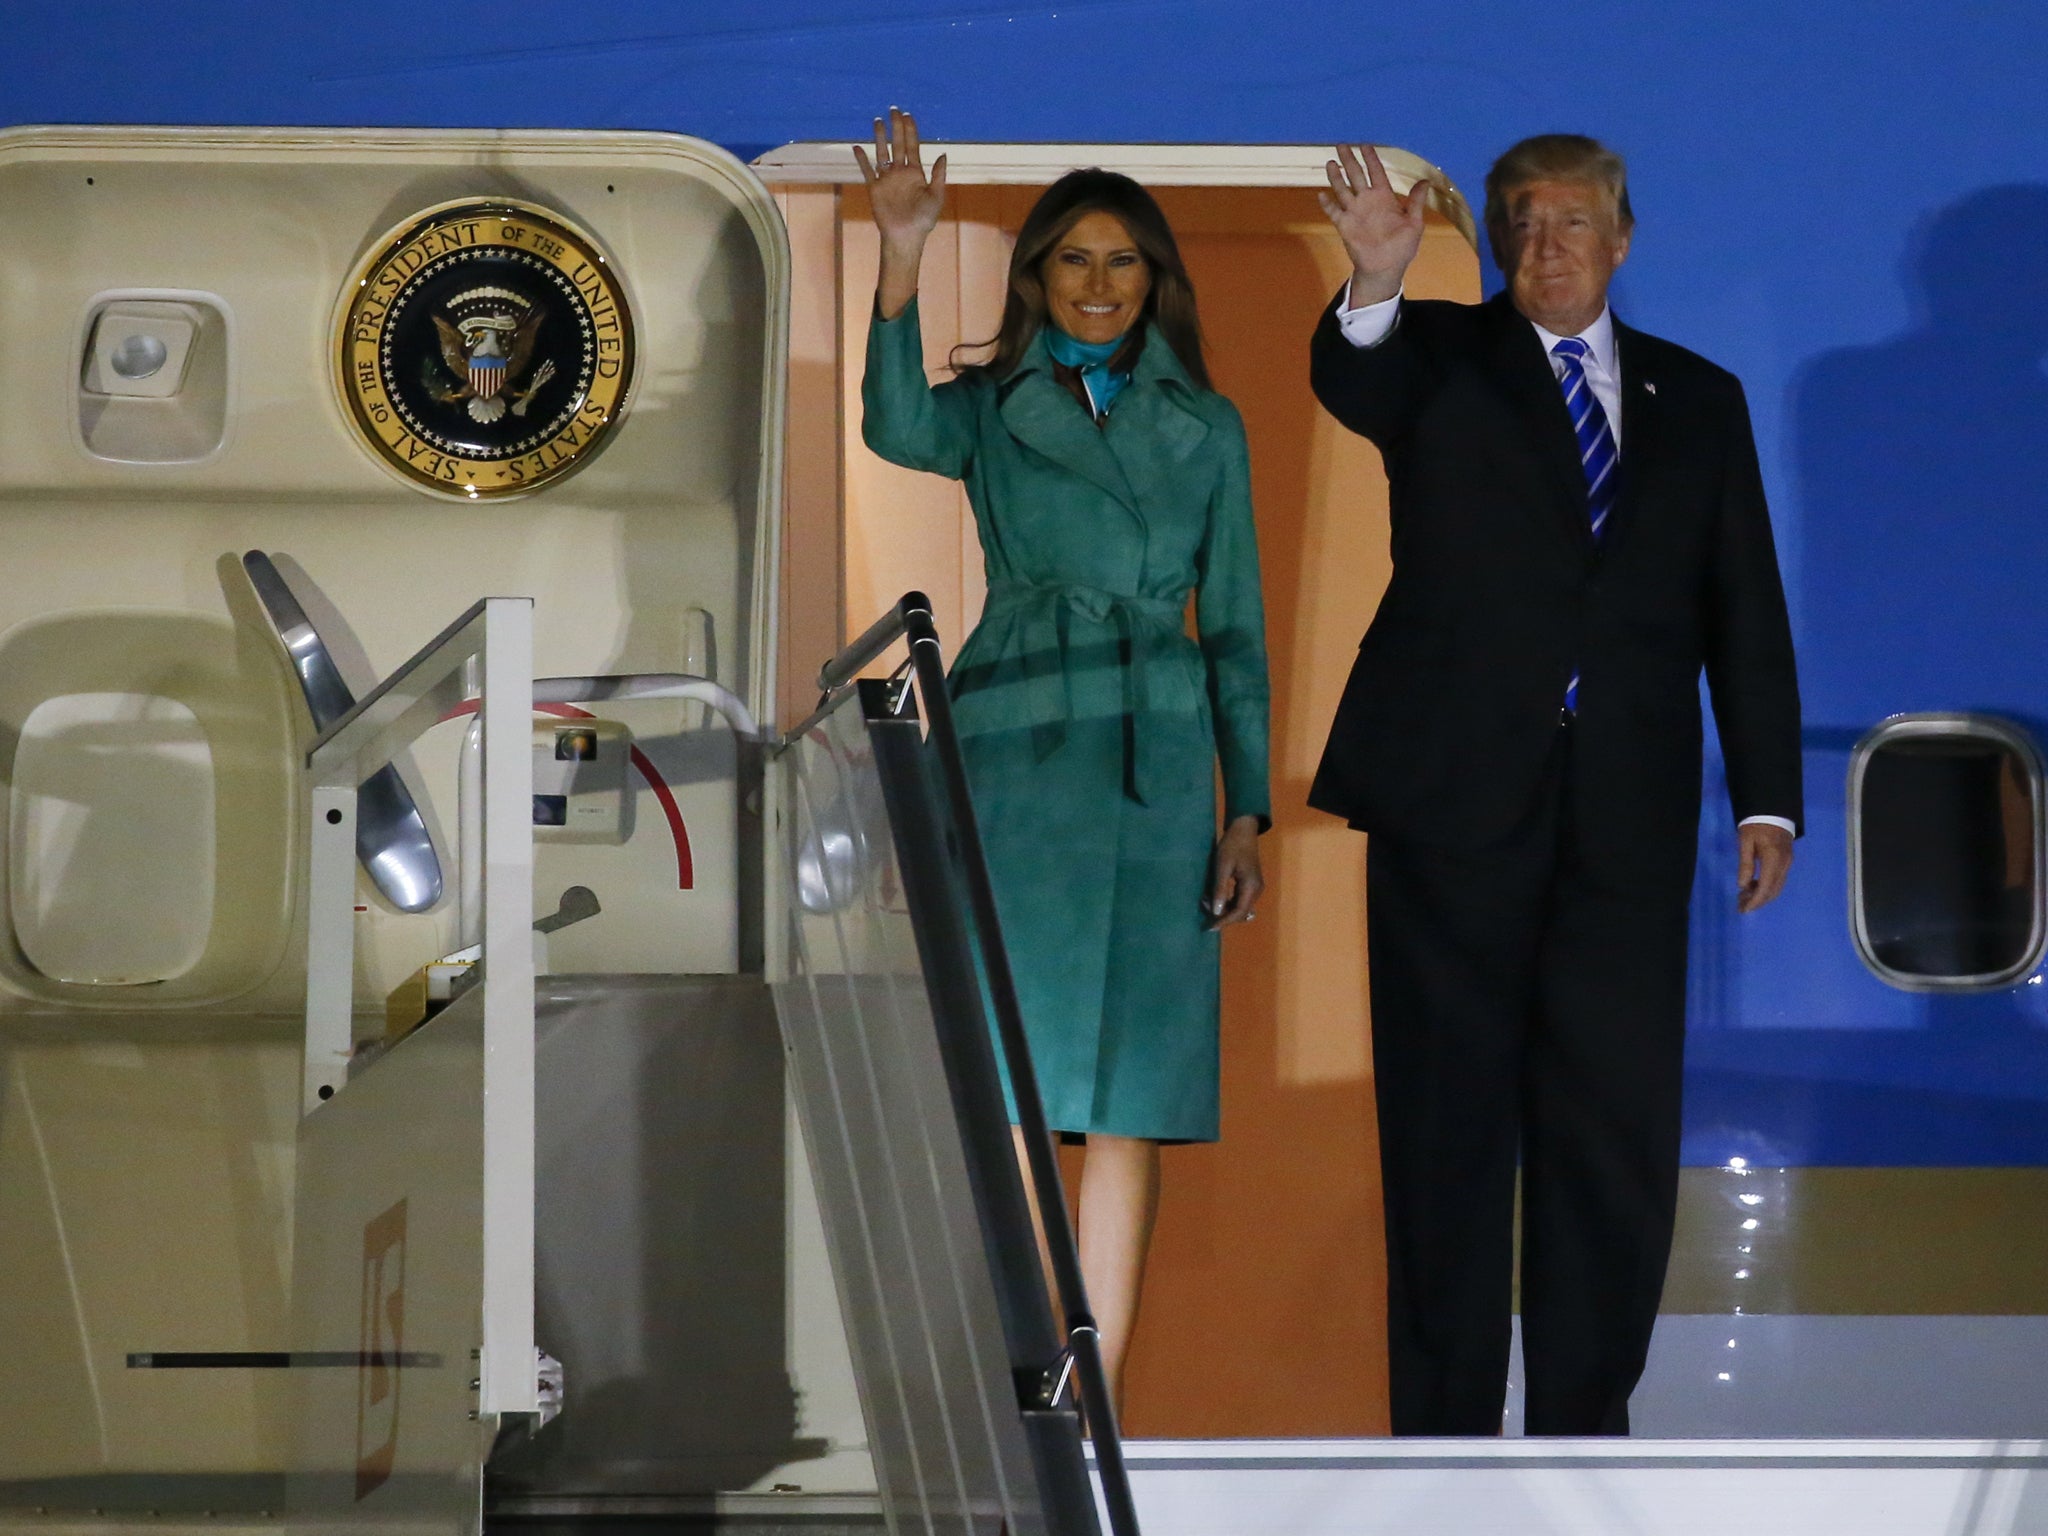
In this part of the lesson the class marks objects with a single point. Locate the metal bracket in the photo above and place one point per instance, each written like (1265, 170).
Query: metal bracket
(1057, 1377)
(899, 685)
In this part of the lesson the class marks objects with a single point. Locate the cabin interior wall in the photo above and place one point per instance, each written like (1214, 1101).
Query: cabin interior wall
(1263, 1308)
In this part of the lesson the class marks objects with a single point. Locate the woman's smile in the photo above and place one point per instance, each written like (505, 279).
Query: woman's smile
(1096, 279)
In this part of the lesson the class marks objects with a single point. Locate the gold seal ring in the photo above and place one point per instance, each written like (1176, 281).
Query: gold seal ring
(484, 348)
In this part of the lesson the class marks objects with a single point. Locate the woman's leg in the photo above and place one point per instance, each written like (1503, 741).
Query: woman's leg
(1037, 1224)
(1119, 1203)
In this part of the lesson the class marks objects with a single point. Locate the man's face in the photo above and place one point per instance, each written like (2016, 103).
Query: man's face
(1563, 243)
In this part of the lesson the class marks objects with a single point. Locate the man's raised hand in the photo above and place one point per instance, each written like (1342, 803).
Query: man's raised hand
(1381, 230)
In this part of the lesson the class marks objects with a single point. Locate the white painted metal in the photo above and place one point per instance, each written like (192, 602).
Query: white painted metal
(330, 944)
(469, 851)
(444, 1121)
(1591, 1488)
(1157, 165)
(413, 698)
(509, 1381)
(649, 685)
(500, 631)
(469, 798)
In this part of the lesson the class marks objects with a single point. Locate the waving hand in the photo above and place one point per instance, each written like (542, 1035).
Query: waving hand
(1381, 230)
(906, 205)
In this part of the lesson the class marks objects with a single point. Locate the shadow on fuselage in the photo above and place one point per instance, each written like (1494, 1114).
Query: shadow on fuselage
(1924, 542)
(1921, 469)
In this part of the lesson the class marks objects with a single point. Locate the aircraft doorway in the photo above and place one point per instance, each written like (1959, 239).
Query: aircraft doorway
(1264, 1303)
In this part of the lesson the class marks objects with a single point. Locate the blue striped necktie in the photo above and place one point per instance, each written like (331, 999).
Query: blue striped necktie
(1597, 453)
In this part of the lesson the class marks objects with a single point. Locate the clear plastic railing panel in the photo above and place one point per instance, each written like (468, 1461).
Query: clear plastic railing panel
(388, 1305)
(918, 1274)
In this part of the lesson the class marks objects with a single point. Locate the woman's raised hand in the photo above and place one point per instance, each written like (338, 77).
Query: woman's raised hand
(906, 205)
(1381, 230)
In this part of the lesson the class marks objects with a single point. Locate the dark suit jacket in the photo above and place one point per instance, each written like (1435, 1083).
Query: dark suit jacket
(1499, 592)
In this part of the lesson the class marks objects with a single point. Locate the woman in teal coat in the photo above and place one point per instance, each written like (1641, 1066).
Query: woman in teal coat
(1108, 482)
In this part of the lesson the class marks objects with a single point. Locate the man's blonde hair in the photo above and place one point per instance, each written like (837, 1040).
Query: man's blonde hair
(1553, 157)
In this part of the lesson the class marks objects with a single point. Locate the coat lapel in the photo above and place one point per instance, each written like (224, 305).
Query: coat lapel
(1044, 417)
(1524, 376)
(1151, 431)
(1642, 415)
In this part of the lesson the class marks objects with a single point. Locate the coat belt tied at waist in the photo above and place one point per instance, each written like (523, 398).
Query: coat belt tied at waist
(1147, 629)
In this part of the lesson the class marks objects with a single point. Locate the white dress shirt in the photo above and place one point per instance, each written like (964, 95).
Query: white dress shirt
(1370, 324)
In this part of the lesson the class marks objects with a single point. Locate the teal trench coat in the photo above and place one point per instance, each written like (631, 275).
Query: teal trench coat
(1091, 722)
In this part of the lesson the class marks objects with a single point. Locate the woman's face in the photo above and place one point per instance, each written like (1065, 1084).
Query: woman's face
(1096, 279)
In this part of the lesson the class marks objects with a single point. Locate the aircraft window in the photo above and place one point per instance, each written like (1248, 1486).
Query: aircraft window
(1946, 887)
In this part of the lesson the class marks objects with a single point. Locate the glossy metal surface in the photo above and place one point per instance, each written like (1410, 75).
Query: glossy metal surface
(391, 836)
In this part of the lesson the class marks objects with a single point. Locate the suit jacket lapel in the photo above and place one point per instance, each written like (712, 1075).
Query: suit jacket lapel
(1642, 415)
(1524, 376)
(1043, 416)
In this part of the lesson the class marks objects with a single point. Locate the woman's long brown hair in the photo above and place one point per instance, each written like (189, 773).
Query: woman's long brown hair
(1170, 305)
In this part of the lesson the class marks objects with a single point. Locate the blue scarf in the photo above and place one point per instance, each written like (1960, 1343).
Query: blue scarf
(1090, 359)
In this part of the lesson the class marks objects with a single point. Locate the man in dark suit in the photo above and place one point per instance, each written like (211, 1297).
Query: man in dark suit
(1579, 529)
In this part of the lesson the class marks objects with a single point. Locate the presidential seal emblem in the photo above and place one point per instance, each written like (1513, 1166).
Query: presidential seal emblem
(485, 349)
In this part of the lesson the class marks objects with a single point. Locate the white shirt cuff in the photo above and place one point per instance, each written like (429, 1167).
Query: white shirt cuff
(1369, 324)
(1770, 821)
